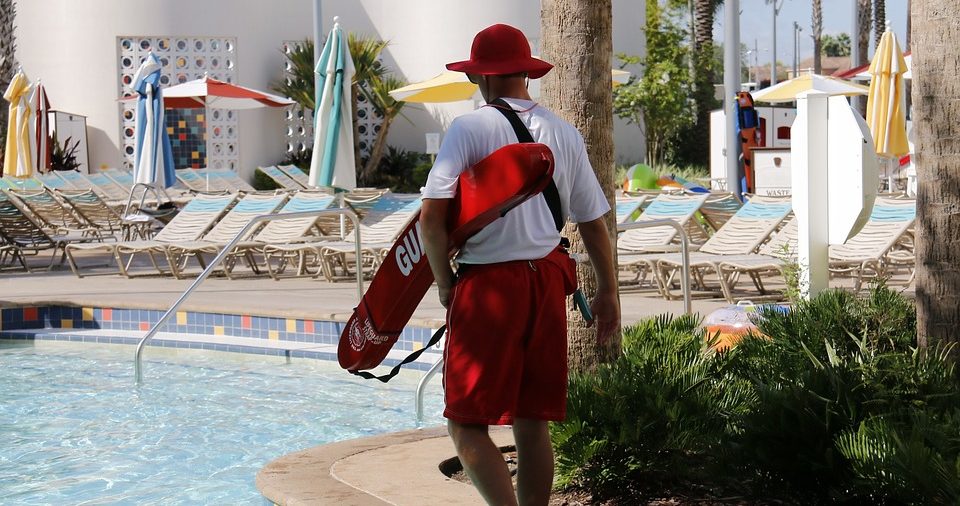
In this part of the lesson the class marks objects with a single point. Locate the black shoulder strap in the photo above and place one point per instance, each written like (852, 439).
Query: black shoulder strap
(410, 358)
(550, 193)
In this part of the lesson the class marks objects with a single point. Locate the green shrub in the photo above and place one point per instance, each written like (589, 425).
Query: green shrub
(659, 413)
(832, 403)
(263, 182)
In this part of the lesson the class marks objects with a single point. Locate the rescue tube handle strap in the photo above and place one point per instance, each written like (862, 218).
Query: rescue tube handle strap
(550, 193)
(410, 358)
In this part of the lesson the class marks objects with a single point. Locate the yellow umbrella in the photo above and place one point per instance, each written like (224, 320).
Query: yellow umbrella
(18, 154)
(885, 108)
(446, 87)
(787, 91)
(453, 86)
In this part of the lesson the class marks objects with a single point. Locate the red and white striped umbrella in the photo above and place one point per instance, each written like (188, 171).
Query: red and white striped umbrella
(208, 92)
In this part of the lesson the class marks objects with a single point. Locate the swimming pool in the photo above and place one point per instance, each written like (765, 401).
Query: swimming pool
(76, 430)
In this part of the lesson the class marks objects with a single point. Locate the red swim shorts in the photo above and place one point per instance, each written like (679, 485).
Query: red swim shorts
(506, 347)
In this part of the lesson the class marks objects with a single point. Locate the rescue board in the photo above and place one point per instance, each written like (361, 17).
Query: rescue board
(486, 191)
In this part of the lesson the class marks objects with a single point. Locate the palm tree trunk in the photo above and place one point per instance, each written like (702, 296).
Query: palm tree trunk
(862, 40)
(817, 28)
(936, 100)
(879, 20)
(376, 151)
(703, 18)
(577, 38)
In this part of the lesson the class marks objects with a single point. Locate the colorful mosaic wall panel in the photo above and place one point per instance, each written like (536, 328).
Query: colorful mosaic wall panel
(183, 59)
(188, 137)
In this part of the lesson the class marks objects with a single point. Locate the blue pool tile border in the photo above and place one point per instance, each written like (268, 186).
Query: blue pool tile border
(17, 322)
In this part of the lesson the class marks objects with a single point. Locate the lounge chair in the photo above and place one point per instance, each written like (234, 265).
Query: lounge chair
(741, 235)
(281, 178)
(277, 235)
(873, 252)
(626, 207)
(108, 189)
(771, 259)
(58, 218)
(226, 179)
(93, 210)
(379, 228)
(294, 172)
(23, 184)
(188, 225)
(20, 231)
(54, 182)
(677, 207)
(223, 232)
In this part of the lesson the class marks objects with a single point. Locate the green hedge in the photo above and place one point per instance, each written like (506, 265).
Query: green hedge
(836, 404)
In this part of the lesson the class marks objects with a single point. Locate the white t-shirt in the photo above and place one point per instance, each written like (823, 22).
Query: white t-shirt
(527, 232)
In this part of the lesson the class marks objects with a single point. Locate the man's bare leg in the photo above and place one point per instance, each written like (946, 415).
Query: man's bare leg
(483, 463)
(534, 461)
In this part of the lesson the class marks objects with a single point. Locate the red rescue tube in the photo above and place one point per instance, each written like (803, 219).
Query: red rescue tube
(501, 181)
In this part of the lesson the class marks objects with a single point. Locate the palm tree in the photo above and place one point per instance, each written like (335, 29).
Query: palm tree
(879, 20)
(864, 15)
(577, 37)
(388, 109)
(817, 31)
(8, 64)
(703, 78)
(938, 170)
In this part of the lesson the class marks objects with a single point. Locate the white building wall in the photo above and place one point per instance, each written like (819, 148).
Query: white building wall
(72, 46)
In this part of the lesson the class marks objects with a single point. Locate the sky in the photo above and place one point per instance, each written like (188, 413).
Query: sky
(756, 22)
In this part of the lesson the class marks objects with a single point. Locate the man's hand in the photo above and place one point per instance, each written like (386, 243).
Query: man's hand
(606, 314)
(445, 294)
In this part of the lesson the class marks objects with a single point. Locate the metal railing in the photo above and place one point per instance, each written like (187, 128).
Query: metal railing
(685, 283)
(229, 248)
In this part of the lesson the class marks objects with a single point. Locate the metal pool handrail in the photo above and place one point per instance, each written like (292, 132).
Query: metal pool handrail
(228, 248)
(685, 283)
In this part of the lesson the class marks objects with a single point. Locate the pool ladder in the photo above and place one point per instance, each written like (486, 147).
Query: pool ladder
(138, 368)
(685, 284)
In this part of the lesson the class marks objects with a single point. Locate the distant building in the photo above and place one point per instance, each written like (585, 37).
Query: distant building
(85, 52)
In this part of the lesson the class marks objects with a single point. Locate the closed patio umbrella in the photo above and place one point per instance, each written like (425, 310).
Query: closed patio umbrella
(886, 113)
(333, 162)
(41, 127)
(153, 158)
(18, 153)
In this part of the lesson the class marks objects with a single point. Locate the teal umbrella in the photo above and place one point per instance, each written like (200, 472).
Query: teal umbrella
(333, 161)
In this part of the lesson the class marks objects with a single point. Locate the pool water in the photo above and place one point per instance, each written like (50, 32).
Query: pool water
(75, 430)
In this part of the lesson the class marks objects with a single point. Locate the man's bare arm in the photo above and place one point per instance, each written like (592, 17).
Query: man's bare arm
(433, 225)
(606, 302)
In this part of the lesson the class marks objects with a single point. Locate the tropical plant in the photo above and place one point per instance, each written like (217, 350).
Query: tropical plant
(658, 101)
(938, 170)
(657, 414)
(835, 45)
(64, 157)
(829, 402)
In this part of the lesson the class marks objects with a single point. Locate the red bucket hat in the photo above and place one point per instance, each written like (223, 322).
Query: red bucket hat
(498, 50)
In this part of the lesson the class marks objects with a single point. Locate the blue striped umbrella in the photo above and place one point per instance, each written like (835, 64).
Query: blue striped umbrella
(333, 161)
(153, 158)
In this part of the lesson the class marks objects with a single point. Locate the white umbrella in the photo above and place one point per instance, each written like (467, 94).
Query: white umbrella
(153, 159)
(333, 161)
